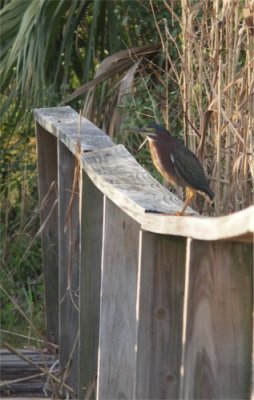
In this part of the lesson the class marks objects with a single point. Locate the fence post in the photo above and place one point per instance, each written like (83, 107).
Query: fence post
(90, 284)
(160, 316)
(217, 354)
(47, 175)
(69, 264)
(117, 353)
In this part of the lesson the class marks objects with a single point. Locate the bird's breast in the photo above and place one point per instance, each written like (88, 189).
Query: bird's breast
(161, 162)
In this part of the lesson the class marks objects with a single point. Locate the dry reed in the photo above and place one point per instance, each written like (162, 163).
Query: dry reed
(218, 76)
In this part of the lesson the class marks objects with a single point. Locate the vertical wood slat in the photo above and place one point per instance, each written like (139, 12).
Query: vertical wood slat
(47, 174)
(217, 361)
(162, 273)
(69, 263)
(90, 280)
(118, 305)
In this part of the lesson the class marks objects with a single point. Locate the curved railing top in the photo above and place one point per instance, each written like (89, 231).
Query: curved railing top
(119, 176)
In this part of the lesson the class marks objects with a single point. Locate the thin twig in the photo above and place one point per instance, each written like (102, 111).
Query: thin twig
(27, 378)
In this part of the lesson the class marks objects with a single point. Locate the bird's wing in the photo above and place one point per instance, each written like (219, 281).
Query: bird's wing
(188, 167)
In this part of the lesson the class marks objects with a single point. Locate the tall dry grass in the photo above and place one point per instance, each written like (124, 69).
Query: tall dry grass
(217, 90)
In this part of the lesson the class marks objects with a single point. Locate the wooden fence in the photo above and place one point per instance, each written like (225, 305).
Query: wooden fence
(143, 304)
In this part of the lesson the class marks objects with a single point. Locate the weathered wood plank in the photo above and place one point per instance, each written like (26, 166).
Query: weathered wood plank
(69, 263)
(70, 128)
(217, 354)
(162, 271)
(24, 398)
(118, 305)
(117, 174)
(9, 361)
(90, 282)
(47, 174)
(238, 226)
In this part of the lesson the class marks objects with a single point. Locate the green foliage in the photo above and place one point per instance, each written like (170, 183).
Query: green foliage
(20, 255)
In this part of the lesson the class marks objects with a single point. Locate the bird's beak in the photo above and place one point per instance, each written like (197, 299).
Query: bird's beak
(148, 132)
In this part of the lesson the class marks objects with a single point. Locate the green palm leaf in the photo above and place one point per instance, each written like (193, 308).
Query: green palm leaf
(49, 48)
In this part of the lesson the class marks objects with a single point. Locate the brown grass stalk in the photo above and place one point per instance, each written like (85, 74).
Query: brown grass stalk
(217, 76)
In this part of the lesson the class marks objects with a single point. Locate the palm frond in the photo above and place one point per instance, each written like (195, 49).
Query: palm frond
(113, 65)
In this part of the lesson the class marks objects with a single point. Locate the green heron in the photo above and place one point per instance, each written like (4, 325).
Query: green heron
(177, 164)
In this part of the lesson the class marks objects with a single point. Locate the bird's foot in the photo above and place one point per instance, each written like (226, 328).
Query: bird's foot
(184, 214)
(177, 213)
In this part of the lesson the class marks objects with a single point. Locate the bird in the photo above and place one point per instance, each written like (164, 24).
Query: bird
(176, 163)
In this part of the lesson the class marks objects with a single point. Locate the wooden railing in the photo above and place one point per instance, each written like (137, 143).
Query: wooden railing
(154, 305)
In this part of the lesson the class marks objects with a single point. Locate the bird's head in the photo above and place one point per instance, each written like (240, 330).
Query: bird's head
(153, 131)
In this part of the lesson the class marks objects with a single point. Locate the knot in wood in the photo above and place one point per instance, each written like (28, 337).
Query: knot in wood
(161, 313)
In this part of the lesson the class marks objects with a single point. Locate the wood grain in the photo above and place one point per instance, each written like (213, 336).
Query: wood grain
(118, 305)
(47, 176)
(161, 291)
(70, 128)
(69, 264)
(217, 354)
(90, 282)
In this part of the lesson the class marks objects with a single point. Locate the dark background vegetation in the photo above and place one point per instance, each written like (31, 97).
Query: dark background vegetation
(184, 64)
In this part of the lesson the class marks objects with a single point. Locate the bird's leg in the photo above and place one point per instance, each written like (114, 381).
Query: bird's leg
(190, 195)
